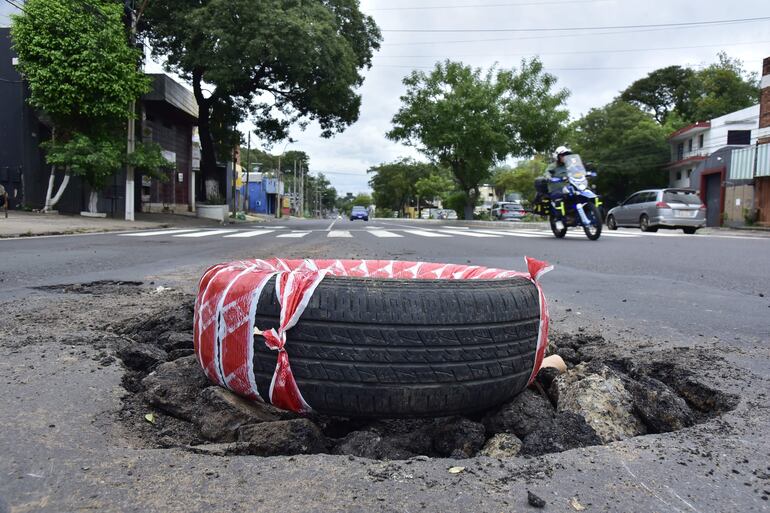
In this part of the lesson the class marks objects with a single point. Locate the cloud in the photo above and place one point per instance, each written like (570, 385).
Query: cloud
(595, 72)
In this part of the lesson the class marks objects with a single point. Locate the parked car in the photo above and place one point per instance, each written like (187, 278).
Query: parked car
(359, 213)
(507, 211)
(447, 214)
(660, 208)
(429, 213)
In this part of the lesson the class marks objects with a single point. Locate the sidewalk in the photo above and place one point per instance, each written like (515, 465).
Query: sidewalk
(29, 224)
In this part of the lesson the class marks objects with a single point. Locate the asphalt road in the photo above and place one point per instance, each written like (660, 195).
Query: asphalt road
(61, 448)
(666, 283)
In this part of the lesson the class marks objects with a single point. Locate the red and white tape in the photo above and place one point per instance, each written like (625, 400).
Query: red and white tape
(225, 312)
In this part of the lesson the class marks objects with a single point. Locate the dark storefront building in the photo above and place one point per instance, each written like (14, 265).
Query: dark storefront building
(166, 115)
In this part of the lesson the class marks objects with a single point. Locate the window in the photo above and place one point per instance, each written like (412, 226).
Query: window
(686, 197)
(739, 137)
(680, 151)
(689, 145)
(689, 173)
(678, 175)
(700, 141)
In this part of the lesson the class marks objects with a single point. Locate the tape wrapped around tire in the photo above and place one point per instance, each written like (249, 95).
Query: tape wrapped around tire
(370, 347)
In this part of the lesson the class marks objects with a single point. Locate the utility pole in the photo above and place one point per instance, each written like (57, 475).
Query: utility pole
(248, 172)
(294, 189)
(131, 125)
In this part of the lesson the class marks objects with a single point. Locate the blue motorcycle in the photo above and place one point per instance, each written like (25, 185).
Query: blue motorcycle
(575, 205)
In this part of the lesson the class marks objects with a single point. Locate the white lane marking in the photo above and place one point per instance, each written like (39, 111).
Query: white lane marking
(159, 232)
(423, 233)
(250, 233)
(293, 235)
(384, 234)
(207, 233)
(339, 233)
(516, 233)
(331, 225)
(469, 233)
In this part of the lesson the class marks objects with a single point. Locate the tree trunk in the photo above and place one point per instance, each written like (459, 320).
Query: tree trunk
(208, 153)
(469, 206)
(51, 202)
(93, 202)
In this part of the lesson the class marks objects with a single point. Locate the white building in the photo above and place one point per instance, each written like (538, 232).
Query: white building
(692, 144)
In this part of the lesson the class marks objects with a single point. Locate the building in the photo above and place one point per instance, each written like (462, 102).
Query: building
(167, 116)
(693, 144)
(747, 181)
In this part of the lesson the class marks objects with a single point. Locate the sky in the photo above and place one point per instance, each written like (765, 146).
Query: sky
(624, 56)
(594, 65)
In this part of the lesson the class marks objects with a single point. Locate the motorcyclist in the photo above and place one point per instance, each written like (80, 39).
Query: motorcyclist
(557, 169)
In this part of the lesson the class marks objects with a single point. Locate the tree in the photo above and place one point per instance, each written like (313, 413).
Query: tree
(724, 87)
(82, 74)
(362, 200)
(714, 91)
(663, 91)
(393, 184)
(521, 179)
(282, 62)
(467, 121)
(627, 146)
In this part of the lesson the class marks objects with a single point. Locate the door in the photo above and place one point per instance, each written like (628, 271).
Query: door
(622, 215)
(713, 199)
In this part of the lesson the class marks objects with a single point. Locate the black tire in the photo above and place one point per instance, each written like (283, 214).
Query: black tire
(407, 348)
(644, 224)
(689, 230)
(594, 231)
(559, 234)
(611, 223)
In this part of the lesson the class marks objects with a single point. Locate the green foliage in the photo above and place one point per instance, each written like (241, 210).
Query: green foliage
(663, 91)
(393, 184)
(362, 200)
(95, 159)
(724, 87)
(282, 62)
(466, 120)
(456, 201)
(627, 146)
(691, 95)
(77, 62)
(522, 178)
(148, 159)
(435, 185)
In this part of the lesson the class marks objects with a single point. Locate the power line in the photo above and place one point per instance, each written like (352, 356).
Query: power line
(579, 52)
(527, 38)
(9, 2)
(606, 27)
(480, 6)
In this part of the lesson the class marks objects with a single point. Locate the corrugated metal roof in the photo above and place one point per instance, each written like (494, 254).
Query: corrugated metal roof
(763, 160)
(742, 164)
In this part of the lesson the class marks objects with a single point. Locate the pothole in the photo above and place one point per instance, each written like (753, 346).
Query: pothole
(94, 287)
(602, 398)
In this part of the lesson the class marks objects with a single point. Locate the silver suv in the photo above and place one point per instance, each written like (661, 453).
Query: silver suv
(660, 208)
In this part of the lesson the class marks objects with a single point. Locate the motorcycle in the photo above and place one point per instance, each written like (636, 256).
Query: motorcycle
(577, 205)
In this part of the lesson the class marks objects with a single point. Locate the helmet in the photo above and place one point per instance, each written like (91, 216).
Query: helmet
(561, 150)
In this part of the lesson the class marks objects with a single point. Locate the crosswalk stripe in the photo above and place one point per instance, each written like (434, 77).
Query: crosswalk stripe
(250, 233)
(206, 233)
(158, 232)
(339, 233)
(423, 233)
(469, 233)
(383, 234)
(293, 235)
(516, 233)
